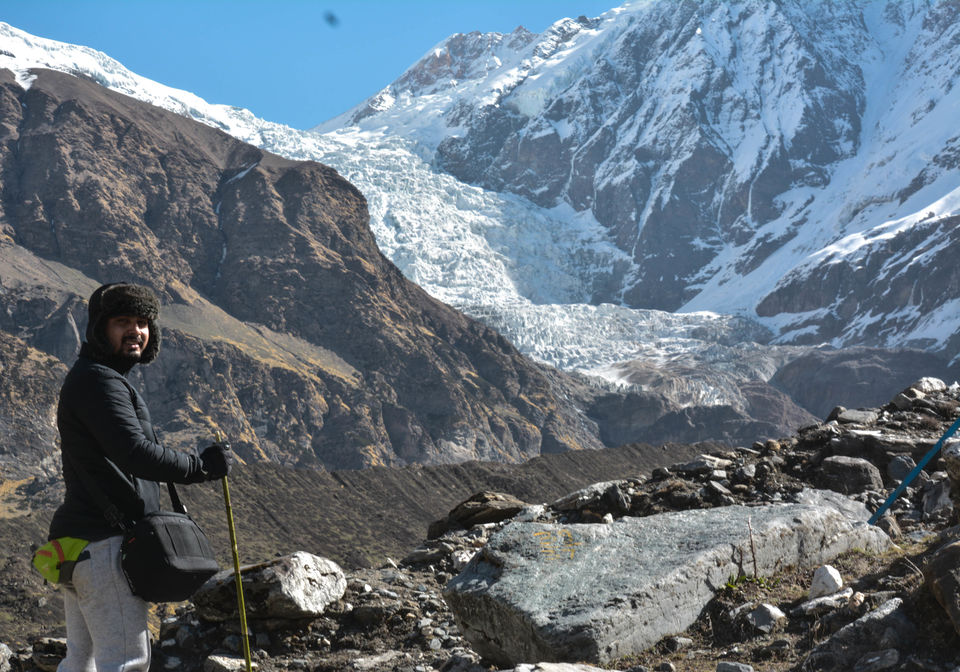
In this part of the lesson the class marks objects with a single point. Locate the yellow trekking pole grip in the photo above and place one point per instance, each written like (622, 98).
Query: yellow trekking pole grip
(236, 568)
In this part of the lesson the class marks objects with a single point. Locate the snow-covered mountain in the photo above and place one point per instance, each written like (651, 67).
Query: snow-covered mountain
(770, 172)
(794, 162)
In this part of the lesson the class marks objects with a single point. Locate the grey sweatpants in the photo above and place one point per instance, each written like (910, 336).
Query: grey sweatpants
(106, 623)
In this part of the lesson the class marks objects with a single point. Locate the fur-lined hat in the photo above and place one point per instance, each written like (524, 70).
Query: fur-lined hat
(121, 298)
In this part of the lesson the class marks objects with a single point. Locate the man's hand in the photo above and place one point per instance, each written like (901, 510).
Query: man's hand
(216, 461)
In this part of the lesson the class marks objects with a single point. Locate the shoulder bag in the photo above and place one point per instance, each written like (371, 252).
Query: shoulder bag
(165, 555)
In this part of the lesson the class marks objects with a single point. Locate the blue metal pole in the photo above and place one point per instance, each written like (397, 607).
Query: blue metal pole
(913, 473)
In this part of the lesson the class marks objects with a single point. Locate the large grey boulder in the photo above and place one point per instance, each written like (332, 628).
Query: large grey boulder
(294, 586)
(593, 593)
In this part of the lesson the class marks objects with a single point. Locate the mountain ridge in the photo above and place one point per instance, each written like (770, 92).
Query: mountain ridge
(289, 330)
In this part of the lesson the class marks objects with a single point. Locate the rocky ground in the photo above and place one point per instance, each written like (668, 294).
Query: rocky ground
(394, 617)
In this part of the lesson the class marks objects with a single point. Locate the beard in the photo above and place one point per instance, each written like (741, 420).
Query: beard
(128, 356)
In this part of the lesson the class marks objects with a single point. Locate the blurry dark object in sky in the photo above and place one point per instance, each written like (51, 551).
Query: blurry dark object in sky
(331, 19)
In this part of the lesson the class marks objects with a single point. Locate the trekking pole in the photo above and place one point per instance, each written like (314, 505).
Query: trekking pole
(236, 568)
(913, 473)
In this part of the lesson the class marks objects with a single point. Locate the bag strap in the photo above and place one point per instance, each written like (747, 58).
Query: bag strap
(175, 499)
(110, 510)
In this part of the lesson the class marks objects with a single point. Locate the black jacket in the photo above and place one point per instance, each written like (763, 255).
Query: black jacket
(105, 425)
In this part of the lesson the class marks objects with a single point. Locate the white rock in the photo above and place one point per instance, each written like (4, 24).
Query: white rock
(930, 385)
(461, 558)
(530, 514)
(826, 581)
(372, 662)
(828, 603)
(5, 655)
(299, 585)
(226, 664)
(557, 667)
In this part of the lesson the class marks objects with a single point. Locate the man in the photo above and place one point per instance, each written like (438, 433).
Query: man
(105, 427)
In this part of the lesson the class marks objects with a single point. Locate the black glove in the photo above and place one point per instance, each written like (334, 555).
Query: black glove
(216, 461)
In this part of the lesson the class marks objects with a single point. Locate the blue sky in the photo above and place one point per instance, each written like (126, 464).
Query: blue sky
(297, 62)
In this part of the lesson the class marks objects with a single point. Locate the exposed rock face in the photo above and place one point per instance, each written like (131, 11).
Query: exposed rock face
(678, 403)
(602, 592)
(856, 377)
(288, 328)
(28, 381)
(856, 645)
(658, 166)
(876, 286)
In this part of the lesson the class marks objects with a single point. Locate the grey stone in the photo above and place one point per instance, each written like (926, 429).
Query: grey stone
(950, 454)
(942, 574)
(557, 667)
(718, 488)
(729, 666)
(936, 498)
(674, 644)
(900, 467)
(766, 618)
(598, 592)
(295, 586)
(902, 402)
(888, 625)
(890, 525)
(823, 605)
(703, 464)
(584, 497)
(858, 416)
(849, 475)
(169, 663)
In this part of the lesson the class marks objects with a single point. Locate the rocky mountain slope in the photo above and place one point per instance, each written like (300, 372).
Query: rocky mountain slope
(285, 326)
(357, 517)
(885, 611)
